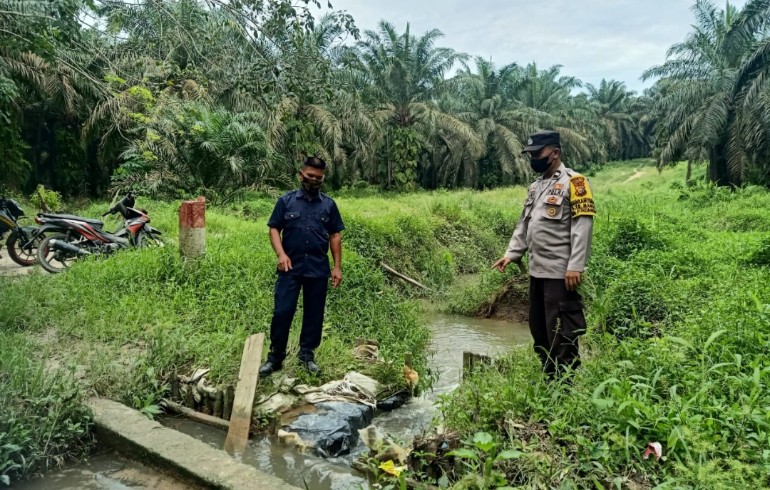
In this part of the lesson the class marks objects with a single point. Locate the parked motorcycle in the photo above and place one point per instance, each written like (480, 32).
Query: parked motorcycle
(76, 237)
(23, 241)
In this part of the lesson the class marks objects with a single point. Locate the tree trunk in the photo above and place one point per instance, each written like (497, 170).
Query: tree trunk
(390, 162)
(717, 171)
(94, 171)
(37, 152)
(688, 176)
(53, 165)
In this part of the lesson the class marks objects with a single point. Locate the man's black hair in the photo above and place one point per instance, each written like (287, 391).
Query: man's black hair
(315, 162)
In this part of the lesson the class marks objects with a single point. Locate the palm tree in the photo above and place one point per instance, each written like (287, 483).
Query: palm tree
(316, 110)
(543, 101)
(51, 84)
(401, 76)
(716, 98)
(188, 145)
(620, 114)
(479, 99)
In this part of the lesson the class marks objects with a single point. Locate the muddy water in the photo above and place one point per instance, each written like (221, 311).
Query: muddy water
(451, 335)
(269, 456)
(104, 471)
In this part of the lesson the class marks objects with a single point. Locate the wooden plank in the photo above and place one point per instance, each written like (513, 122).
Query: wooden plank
(394, 272)
(240, 420)
(196, 416)
(471, 359)
(227, 403)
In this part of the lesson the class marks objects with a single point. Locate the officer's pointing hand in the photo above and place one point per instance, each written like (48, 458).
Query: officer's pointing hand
(572, 280)
(501, 264)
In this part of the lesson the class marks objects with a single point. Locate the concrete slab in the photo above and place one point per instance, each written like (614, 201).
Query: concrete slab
(129, 432)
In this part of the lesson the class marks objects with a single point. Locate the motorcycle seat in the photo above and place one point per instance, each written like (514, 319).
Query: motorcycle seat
(73, 217)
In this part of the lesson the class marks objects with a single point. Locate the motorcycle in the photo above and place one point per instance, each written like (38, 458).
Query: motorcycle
(77, 237)
(23, 241)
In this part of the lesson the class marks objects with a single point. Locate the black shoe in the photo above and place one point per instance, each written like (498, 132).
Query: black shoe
(269, 368)
(312, 368)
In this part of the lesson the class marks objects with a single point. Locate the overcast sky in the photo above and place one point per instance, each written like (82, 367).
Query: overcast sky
(592, 39)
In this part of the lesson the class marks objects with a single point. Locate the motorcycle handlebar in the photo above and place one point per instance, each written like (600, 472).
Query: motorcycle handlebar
(128, 201)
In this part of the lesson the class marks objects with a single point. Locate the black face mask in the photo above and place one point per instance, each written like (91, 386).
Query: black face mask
(540, 165)
(310, 186)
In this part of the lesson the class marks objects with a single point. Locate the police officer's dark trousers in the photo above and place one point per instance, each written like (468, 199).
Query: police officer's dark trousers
(556, 321)
(287, 289)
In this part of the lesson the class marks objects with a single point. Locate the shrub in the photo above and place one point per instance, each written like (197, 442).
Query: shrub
(630, 236)
(44, 198)
(44, 421)
(760, 257)
(636, 305)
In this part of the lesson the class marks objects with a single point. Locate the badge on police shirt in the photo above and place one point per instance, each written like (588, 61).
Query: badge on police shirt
(581, 197)
(580, 185)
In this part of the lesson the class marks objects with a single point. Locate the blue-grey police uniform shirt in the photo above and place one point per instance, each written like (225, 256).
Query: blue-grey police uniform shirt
(305, 224)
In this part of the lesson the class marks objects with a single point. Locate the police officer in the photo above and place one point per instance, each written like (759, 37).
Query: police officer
(304, 223)
(555, 226)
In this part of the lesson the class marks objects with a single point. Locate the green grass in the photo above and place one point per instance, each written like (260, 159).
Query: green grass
(43, 419)
(199, 316)
(678, 288)
(679, 313)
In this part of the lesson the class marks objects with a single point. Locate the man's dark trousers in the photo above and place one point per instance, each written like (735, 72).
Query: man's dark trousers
(556, 321)
(287, 289)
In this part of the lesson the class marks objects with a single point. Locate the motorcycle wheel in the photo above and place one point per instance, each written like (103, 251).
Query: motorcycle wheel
(54, 261)
(23, 256)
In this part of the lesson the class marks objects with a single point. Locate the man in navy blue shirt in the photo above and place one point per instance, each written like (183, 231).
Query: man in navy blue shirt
(304, 224)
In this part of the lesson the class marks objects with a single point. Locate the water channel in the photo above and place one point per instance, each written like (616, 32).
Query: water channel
(450, 336)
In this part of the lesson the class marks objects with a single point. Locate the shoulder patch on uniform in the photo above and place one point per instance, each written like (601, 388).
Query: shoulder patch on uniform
(581, 197)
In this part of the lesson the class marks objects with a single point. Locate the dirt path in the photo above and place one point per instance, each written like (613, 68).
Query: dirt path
(636, 175)
(10, 268)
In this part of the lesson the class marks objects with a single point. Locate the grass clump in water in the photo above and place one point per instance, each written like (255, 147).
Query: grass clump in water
(43, 418)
